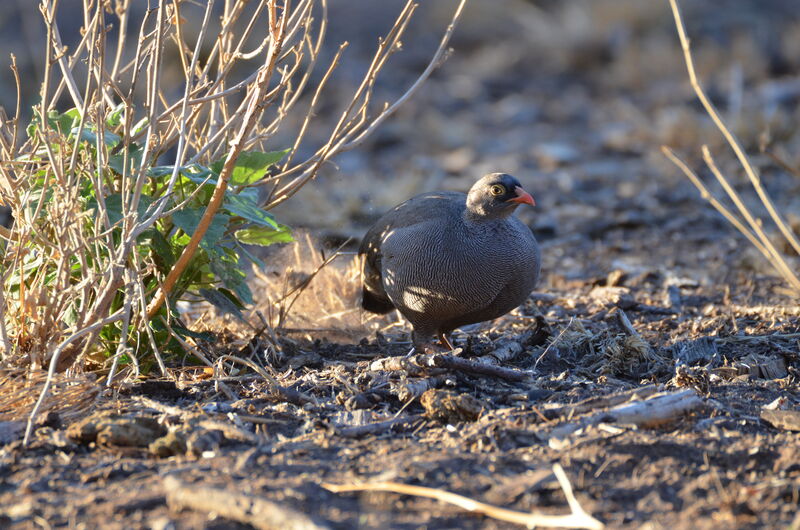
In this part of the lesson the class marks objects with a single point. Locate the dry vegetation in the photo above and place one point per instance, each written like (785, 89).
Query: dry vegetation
(650, 381)
(750, 226)
(103, 234)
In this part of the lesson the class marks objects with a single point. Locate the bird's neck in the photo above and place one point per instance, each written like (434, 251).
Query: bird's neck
(476, 214)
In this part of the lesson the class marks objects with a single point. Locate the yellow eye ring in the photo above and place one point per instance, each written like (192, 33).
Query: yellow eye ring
(497, 189)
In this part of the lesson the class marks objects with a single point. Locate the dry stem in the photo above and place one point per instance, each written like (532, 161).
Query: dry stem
(764, 245)
(78, 269)
(74, 264)
(577, 519)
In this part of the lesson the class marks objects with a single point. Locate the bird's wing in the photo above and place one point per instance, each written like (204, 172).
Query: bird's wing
(420, 209)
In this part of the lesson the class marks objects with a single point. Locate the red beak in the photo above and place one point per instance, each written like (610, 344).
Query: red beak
(523, 197)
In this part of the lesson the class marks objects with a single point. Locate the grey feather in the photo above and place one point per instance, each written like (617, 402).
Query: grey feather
(447, 259)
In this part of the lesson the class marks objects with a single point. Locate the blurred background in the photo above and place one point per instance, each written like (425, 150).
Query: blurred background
(574, 97)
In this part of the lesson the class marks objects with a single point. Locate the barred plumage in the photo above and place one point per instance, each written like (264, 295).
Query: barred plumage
(447, 259)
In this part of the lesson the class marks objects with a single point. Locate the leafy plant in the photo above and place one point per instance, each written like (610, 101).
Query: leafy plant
(215, 272)
(149, 188)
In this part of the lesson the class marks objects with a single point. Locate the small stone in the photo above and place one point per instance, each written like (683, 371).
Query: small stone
(781, 403)
(782, 419)
(204, 441)
(115, 430)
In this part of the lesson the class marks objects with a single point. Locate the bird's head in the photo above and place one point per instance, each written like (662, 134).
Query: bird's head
(495, 196)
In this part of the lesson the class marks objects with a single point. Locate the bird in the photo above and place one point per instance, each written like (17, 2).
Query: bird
(447, 259)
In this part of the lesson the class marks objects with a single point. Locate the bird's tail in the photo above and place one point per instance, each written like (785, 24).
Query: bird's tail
(375, 303)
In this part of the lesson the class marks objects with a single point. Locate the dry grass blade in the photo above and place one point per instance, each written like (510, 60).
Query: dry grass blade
(578, 518)
(774, 256)
(763, 243)
(71, 396)
(293, 396)
(552, 343)
(298, 290)
(735, 221)
(51, 373)
(312, 292)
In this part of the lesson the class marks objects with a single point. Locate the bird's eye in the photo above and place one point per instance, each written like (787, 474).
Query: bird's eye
(497, 189)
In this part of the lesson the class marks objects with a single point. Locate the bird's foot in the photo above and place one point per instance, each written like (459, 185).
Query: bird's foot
(446, 342)
(431, 349)
(425, 343)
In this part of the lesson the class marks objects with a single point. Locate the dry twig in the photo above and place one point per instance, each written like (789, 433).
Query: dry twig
(84, 189)
(428, 363)
(656, 410)
(379, 427)
(555, 410)
(579, 518)
(755, 234)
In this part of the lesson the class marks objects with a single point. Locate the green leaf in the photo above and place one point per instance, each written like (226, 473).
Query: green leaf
(180, 240)
(250, 167)
(264, 236)
(160, 171)
(33, 198)
(154, 240)
(232, 297)
(244, 252)
(64, 123)
(114, 207)
(195, 173)
(243, 291)
(186, 332)
(188, 219)
(33, 126)
(117, 161)
(247, 208)
(202, 178)
(114, 118)
(221, 302)
(89, 134)
(140, 126)
(224, 263)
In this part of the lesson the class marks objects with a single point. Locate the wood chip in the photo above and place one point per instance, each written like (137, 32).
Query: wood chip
(658, 410)
(762, 367)
(782, 419)
(702, 350)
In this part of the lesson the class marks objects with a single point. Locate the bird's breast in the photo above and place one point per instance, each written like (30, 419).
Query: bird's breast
(449, 269)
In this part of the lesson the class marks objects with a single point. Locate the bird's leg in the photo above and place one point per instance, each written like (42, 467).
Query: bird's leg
(432, 348)
(423, 343)
(445, 341)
